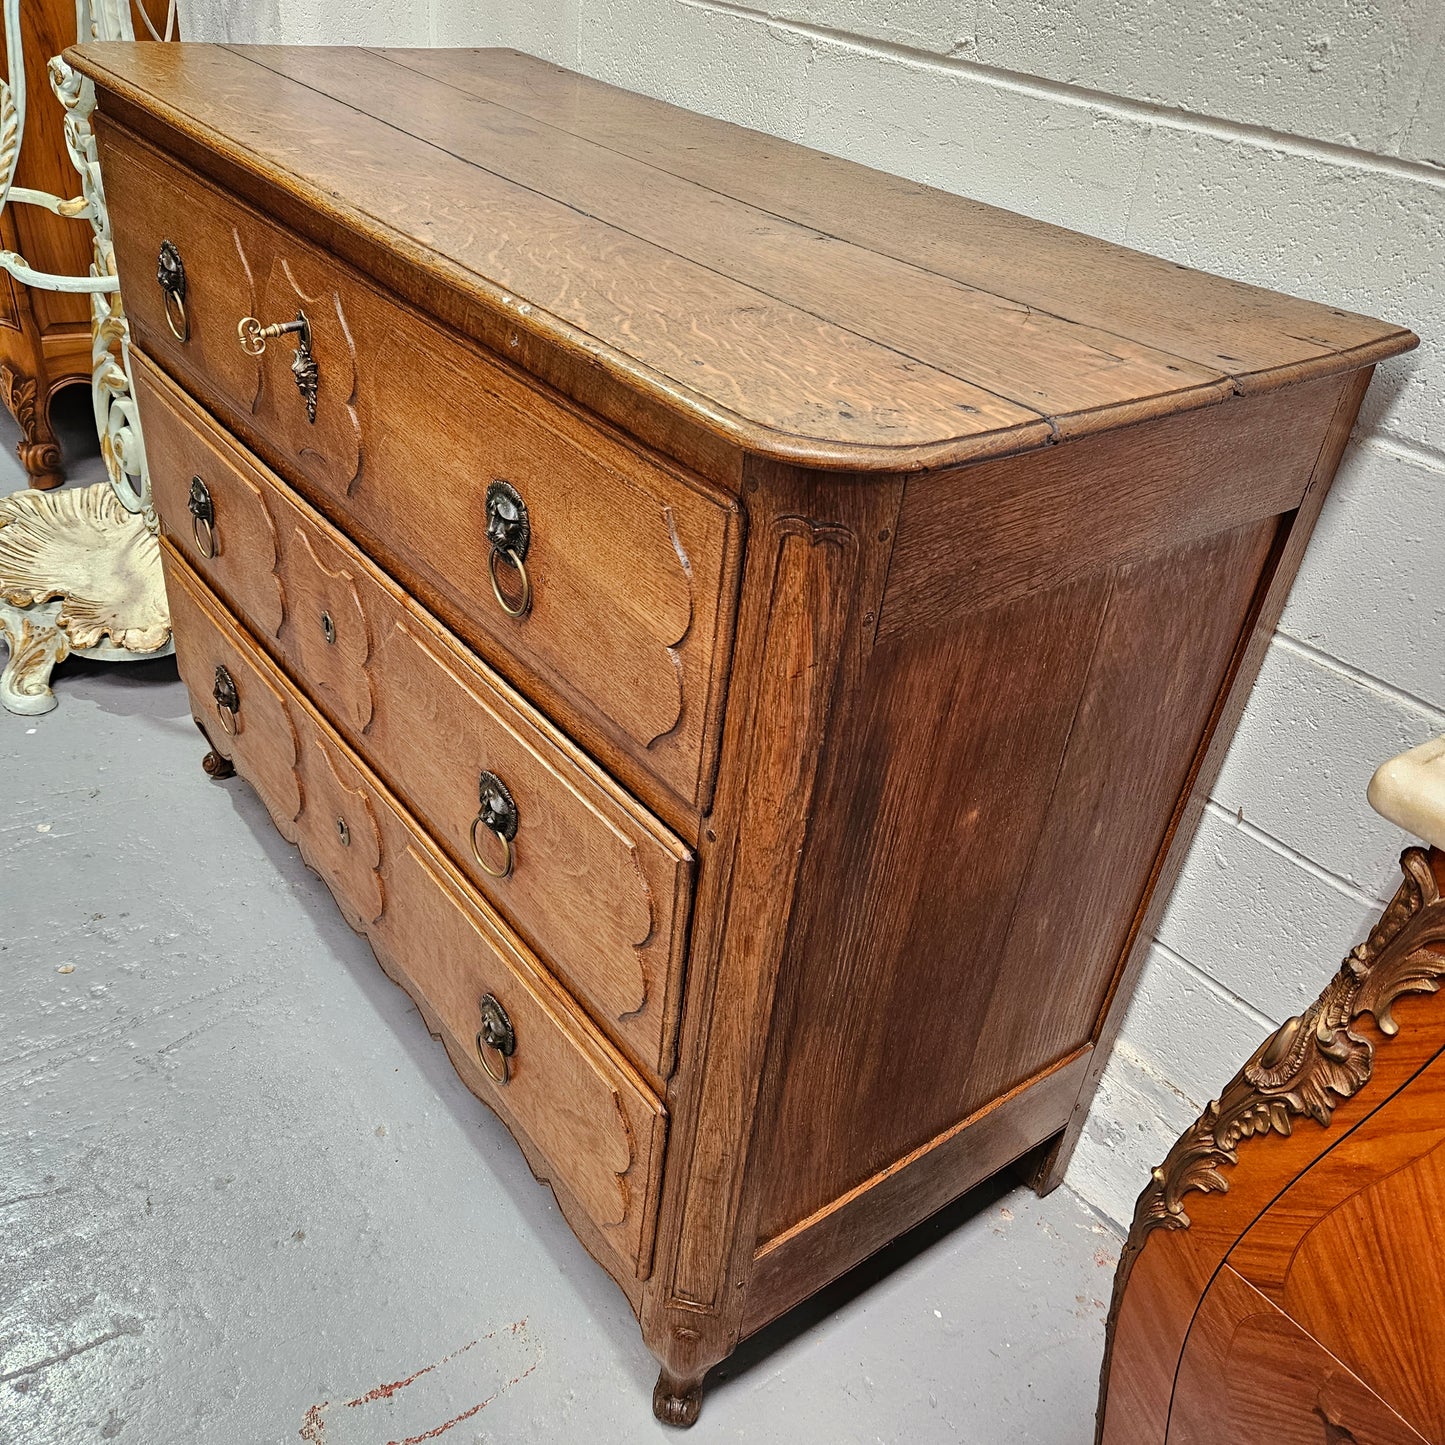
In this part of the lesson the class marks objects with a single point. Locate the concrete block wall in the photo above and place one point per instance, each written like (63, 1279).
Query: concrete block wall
(1299, 144)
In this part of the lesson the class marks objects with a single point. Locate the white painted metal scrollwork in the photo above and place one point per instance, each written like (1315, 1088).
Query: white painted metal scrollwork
(38, 616)
(121, 441)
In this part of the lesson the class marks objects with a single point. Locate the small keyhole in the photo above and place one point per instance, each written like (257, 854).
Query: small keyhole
(328, 629)
(343, 832)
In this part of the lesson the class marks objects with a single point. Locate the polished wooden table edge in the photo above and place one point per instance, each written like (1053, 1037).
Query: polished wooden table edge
(359, 238)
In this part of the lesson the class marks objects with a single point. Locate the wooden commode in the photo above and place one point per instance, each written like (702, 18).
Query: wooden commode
(746, 637)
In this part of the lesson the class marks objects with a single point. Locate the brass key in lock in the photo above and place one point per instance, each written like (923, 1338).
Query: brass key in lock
(254, 337)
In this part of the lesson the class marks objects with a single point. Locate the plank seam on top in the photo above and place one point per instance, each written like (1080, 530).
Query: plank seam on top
(1001, 435)
(689, 260)
(1326, 349)
(1210, 380)
(1033, 307)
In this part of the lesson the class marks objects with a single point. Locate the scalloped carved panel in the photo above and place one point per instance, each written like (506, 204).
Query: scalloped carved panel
(602, 896)
(148, 205)
(570, 1095)
(633, 561)
(600, 888)
(338, 832)
(626, 563)
(326, 635)
(328, 449)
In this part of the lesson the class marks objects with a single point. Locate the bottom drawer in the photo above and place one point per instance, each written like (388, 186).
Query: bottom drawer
(588, 1121)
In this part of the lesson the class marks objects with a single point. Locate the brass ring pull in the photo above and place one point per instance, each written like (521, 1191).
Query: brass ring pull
(507, 856)
(521, 609)
(228, 702)
(171, 278)
(509, 533)
(497, 813)
(203, 518)
(496, 1037)
(484, 1054)
(176, 318)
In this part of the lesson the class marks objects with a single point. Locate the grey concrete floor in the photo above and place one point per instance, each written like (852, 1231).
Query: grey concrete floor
(245, 1200)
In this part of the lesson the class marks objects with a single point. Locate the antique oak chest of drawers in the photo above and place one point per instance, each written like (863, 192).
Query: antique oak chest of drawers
(746, 637)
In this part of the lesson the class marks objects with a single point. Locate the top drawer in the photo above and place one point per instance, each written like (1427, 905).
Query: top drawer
(630, 563)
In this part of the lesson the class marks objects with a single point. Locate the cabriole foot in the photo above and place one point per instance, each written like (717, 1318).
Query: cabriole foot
(676, 1402)
(215, 765)
(218, 767)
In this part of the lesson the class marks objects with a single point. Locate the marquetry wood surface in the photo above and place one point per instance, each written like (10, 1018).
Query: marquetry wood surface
(884, 351)
(598, 887)
(585, 1111)
(1333, 1229)
(1352, 1251)
(1250, 1374)
(632, 563)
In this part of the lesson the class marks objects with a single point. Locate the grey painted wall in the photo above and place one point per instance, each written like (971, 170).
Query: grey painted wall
(1295, 143)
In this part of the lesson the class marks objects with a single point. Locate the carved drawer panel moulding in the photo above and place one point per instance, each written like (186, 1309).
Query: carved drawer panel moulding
(730, 597)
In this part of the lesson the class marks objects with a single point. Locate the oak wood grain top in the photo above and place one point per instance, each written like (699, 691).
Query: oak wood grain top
(798, 306)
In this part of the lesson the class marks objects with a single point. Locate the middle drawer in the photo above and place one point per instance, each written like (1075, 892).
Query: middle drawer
(597, 886)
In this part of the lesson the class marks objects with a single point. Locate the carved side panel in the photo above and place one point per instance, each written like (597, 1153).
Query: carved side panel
(814, 572)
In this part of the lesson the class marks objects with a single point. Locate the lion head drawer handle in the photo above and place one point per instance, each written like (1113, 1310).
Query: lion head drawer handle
(497, 813)
(496, 1038)
(254, 337)
(203, 518)
(509, 530)
(228, 702)
(171, 278)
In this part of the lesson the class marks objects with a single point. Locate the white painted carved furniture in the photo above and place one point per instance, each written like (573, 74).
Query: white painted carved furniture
(79, 570)
(1284, 1278)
